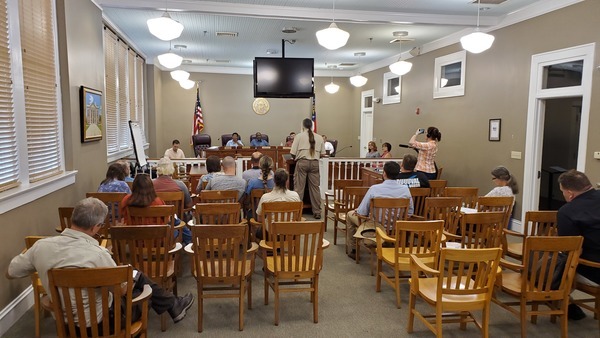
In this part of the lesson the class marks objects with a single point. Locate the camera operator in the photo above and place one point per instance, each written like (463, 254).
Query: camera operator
(427, 151)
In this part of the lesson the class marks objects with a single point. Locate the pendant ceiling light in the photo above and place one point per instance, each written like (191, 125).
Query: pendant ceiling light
(400, 67)
(332, 88)
(187, 84)
(171, 60)
(180, 75)
(164, 27)
(332, 38)
(359, 80)
(477, 41)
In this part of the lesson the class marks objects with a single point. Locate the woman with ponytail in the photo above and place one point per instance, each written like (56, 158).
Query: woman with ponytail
(506, 185)
(306, 150)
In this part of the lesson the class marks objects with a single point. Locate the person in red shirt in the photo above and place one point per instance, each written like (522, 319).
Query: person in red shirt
(142, 195)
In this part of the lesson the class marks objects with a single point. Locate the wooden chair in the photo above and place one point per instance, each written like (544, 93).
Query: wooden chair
(419, 238)
(217, 213)
(480, 230)
(156, 214)
(175, 198)
(384, 214)
(219, 196)
(469, 195)
(70, 289)
(498, 203)
(277, 212)
(534, 289)
(437, 187)
(38, 288)
(64, 214)
(150, 249)
(255, 196)
(297, 260)
(337, 195)
(537, 223)
(446, 209)
(222, 262)
(418, 196)
(439, 173)
(112, 200)
(463, 283)
(351, 198)
(593, 291)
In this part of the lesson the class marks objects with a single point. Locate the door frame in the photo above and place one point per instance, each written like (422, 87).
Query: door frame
(364, 140)
(535, 114)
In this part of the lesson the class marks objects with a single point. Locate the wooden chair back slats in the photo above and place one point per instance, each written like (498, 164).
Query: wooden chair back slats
(219, 252)
(112, 200)
(255, 196)
(418, 196)
(156, 214)
(498, 203)
(300, 249)
(446, 209)
(279, 212)
(540, 223)
(217, 213)
(65, 213)
(175, 198)
(437, 187)
(468, 195)
(481, 230)
(219, 196)
(386, 211)
(71, 287)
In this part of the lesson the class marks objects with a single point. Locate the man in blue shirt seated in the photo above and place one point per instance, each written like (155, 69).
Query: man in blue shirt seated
(235, 141)
(258, 141)
(390, 188)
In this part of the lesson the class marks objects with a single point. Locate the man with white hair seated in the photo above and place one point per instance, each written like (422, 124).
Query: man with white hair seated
(165, 183)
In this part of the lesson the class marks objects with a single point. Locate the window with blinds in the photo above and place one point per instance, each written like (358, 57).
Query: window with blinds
(9, 169)
(41, 88)
(124, 70)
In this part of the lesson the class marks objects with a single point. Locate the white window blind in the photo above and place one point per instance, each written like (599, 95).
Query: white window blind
(9, 169)
(123, 92)
(110, 92)
(39, 79)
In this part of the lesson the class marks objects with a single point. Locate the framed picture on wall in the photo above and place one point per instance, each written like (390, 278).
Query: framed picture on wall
(449, 75)
(392, 88)
(494, 133)
(92, 119)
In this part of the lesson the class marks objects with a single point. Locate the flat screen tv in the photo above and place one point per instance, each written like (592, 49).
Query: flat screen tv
(284, 77)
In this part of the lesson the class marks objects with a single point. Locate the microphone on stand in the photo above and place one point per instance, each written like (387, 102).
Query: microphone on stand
(401, 145)
(338, 151)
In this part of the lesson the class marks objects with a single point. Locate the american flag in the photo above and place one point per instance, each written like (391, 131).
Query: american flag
(198, 118)
(314, 115)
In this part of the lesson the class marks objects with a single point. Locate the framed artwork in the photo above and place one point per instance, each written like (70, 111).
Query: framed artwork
(494, 133)
(392, 88)
(449, 75)
(92, 118)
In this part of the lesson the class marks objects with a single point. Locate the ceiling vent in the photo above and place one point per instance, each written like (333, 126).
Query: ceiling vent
(347, 64)
(289, 30)
(489, 2)
(222, 61)
(227, 34)
(401, 36)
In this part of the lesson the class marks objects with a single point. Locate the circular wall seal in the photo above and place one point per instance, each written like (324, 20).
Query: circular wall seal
(261, 106)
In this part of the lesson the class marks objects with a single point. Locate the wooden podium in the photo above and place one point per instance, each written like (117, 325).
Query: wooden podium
(290, 166)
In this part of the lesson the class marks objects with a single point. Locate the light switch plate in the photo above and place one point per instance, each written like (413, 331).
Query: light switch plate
(515, 154)
(597, 155)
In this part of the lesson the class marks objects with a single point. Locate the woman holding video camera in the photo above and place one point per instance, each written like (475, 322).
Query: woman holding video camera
(427, 151)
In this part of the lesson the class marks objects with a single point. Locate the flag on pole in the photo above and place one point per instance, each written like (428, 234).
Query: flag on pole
(314, 115)
(198, 118)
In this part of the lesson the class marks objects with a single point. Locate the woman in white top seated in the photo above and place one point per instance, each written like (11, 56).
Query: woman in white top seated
(506, 185)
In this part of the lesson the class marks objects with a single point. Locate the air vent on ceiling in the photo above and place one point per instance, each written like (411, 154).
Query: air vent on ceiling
(489, 2)
(347, 64)
(222, 61)
(227, 34)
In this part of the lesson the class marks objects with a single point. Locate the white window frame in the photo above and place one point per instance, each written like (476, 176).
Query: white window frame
(27, 192)
(442, 61)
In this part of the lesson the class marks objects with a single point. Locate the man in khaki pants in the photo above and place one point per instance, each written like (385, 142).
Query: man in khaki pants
(307, 149)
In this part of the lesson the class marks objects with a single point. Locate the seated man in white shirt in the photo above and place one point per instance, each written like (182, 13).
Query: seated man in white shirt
(175, 152)
(235, 141)
(328, 146)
